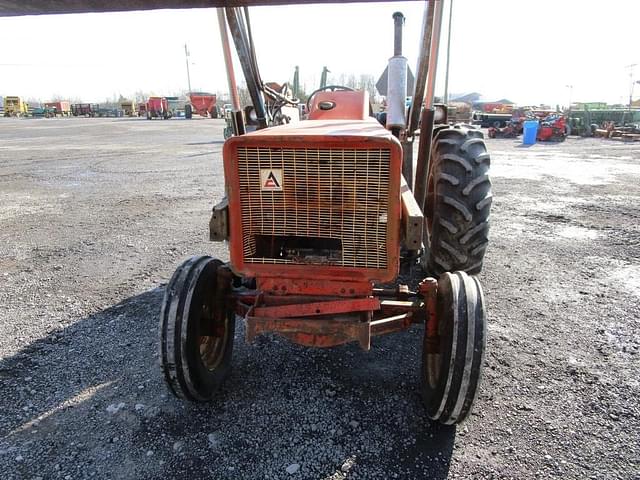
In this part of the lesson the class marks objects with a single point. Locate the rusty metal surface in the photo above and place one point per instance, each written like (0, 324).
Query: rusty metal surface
(219, 223)
(412, 218)
(308, 286)
(297, 317)
(384, 326)
(398, 307)
(303, 207)
(319, 308)
(311, 333)
(429, 289)
(44, 7)
(325, 333)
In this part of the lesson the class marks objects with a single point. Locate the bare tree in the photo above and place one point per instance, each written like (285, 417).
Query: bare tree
(367, 83)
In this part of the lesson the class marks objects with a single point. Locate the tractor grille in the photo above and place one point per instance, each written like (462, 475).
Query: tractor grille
(331, 207)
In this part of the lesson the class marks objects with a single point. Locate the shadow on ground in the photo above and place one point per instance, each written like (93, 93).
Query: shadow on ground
(89, 401)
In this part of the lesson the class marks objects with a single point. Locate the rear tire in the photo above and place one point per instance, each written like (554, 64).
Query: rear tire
(458, 201)
(452, 366)
(188, 111)
(197, 329)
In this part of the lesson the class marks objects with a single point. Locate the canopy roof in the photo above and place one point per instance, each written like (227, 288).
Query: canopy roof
(9, 8)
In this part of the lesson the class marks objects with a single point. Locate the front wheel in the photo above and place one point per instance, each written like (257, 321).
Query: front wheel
(452, 360)
(197, 326)
(458, 202)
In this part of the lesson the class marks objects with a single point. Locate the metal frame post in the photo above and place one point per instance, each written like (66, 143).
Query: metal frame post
(228, 62)
(427, 116)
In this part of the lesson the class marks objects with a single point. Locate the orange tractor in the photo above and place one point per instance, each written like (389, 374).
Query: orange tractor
(320, 215)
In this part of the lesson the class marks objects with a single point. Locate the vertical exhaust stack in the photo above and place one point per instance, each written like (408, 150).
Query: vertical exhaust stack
(397, 80)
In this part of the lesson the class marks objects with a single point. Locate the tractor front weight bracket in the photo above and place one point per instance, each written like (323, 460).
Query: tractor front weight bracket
(327, 321)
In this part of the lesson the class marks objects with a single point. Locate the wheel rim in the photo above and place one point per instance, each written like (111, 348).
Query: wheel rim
(433, 369)
(212, 347)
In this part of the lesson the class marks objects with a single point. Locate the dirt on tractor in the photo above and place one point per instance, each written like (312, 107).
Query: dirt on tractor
(95, 216)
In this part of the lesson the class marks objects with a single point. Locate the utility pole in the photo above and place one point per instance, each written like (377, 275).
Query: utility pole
(186, 54)
(630, 67)
(446, 77)
(570, 87)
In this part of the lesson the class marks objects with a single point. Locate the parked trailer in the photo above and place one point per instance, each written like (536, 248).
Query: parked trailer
(487, 120)
(202, 103)
(84, 109)
(43, 112)
(109, 112)
(173, 106)
(129, 108)
(15, 107)
(158, 107)
(61, 108)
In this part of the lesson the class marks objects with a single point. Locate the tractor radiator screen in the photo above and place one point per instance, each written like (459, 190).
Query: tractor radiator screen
(314, 206)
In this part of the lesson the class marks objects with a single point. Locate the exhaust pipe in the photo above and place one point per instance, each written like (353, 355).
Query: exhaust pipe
(397, 80)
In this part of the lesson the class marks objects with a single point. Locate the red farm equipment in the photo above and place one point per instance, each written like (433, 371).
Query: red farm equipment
(158, 107)
(320, 215)
(61, 109)
(552, 128)
(201, 103)
(84, 109)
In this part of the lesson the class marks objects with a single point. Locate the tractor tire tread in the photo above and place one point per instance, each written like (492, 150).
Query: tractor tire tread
(473, 183)
(171, 330)
(448, 178)
(458, 159)
(460, 225)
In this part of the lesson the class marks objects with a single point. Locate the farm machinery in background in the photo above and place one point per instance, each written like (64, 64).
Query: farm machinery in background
(553, 128)
(201, 103)
(552, 125)
(15, 107)
(157, 107)
(84, 109)
(492, 114)
(587, 118)
(129, 108)
(57, 109)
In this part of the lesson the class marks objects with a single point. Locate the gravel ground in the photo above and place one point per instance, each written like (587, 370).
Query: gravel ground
(96, 214)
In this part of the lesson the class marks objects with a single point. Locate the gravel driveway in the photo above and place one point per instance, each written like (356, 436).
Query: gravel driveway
(95, 214)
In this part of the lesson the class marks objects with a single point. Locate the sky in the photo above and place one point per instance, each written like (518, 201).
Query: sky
(528, 52)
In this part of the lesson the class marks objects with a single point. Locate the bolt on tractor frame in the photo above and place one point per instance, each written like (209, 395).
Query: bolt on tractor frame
(320, 214)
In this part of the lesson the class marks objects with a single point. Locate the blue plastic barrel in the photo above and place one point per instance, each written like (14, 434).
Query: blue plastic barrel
(529, 132)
